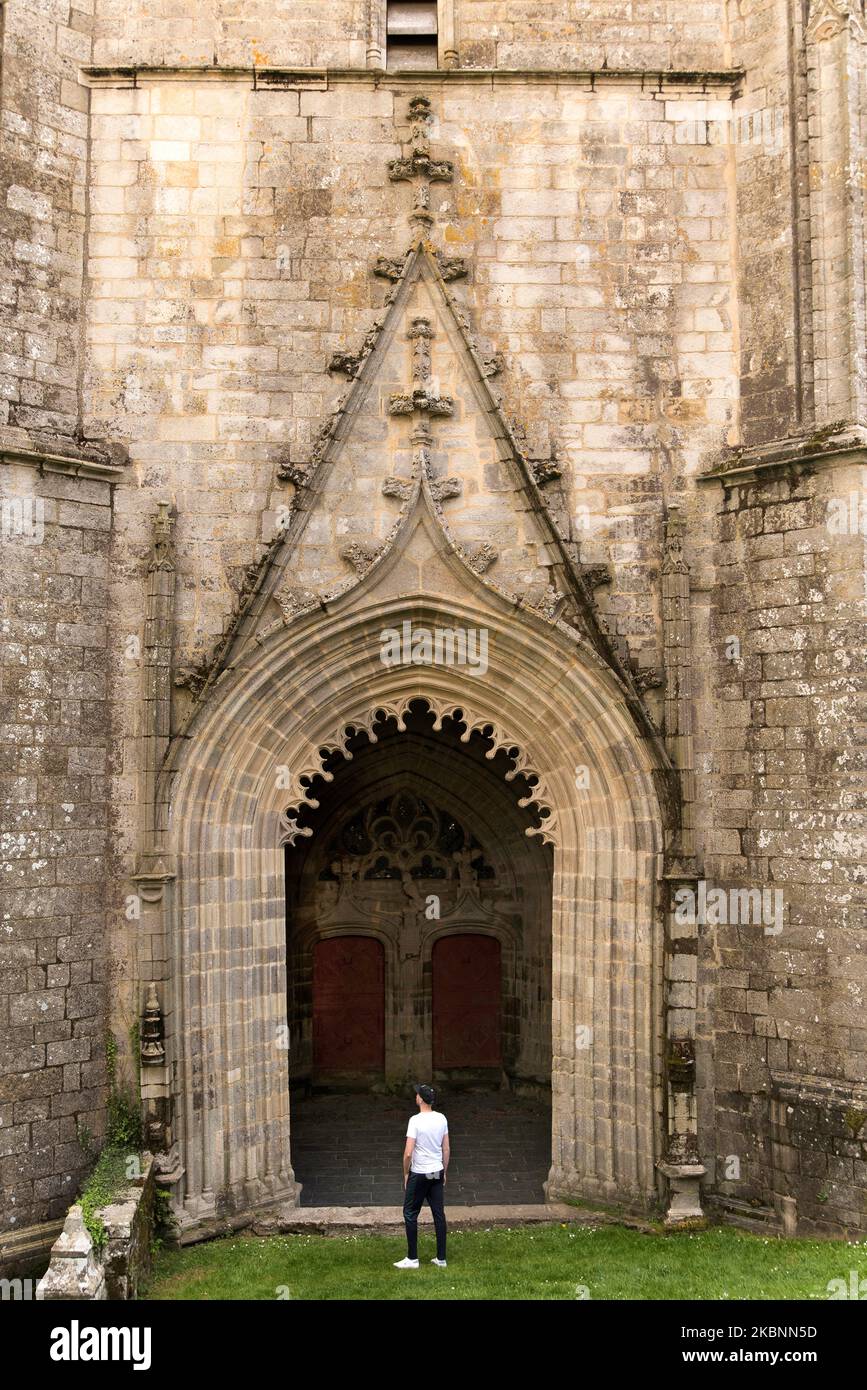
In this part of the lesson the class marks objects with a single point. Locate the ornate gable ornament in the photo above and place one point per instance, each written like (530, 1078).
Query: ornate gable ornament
(567, 600)
(828, 18)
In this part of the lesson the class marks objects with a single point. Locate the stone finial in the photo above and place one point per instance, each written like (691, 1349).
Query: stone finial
(162, 556)
(674, 559)
(153, 1052)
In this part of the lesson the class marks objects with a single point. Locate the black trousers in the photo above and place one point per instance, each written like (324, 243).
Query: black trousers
(421, 1188)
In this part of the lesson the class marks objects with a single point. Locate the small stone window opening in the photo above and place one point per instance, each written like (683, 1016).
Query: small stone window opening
(411, 34)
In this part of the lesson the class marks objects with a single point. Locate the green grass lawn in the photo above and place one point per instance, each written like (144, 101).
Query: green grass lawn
(540, 1262)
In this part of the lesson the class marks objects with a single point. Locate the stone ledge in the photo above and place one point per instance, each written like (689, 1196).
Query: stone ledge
(821, 448)
(322, 78)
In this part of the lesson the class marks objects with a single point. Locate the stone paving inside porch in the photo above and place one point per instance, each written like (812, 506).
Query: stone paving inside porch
(346, 1149)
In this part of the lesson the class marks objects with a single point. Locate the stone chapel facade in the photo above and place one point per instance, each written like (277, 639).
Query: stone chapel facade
(432, 469)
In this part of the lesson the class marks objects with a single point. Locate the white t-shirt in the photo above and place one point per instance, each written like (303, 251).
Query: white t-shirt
(428, 1128)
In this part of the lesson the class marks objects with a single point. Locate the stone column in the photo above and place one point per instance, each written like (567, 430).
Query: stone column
(681, 1164)
(153, 871)
(836, 42)
(448, 46)
(376, 33)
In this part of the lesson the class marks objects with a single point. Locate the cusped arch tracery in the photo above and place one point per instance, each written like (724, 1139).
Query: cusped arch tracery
(538, 800)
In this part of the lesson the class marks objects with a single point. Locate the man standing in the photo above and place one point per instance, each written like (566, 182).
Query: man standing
(425, 1162)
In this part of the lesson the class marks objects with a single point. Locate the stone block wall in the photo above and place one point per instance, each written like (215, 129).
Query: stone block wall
(780, 768)
(55, 818)
(43, 176)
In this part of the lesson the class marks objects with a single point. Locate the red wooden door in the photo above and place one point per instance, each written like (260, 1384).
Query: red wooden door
(466, 1001)
(348, 1005)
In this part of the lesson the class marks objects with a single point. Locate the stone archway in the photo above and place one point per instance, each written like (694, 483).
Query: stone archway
(546, 705)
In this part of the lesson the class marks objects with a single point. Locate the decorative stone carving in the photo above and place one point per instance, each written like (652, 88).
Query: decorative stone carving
(538, 797)
(443, 488)
(346, 363)
(389, 269)
(421, 166)
(153, 1052)
(361, 555)
(398, 487)
(162, 555)
(451, 267)
(544, 600)
(482, 557)
(403, 404)
(403, 838)
(193, 677)
(649, 678)
(493, 366)
(545, 470)
(292, 601)
(421, 398)
(595, 576)
(418, 167)
(828, 18)
(297, 473)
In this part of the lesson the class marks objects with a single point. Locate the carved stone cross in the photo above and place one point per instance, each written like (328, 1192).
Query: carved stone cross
(422, 402)
(418, 168)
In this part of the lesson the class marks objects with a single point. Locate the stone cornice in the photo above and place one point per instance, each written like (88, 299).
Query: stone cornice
(828, 448)
(70, 464)
(270, 78)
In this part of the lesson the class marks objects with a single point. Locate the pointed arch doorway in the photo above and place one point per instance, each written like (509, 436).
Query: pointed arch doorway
(418, 858)
(419, 947)
(313, 703)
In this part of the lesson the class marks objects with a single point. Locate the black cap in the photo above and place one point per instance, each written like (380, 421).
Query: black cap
(427, 1093)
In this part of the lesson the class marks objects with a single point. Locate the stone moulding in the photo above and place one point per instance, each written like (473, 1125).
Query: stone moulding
(299, 793)
(830, 446)
(74, 465)
(318, 79)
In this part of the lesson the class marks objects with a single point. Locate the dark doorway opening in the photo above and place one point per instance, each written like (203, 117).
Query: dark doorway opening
(419, 948)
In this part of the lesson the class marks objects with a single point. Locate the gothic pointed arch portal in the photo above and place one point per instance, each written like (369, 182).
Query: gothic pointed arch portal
(423, 562)
(419, 844)
(245, 786)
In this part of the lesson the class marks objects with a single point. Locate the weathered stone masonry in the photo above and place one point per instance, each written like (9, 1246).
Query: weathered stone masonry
(652, 252)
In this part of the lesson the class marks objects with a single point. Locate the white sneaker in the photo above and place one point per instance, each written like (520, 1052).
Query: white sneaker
(406, 1264)
(441, 1263)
